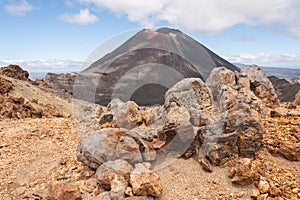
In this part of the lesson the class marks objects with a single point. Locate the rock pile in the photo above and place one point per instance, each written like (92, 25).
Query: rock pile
(219, 119)
(16, 72)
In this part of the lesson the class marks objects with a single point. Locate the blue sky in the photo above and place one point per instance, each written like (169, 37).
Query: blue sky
(58, 35)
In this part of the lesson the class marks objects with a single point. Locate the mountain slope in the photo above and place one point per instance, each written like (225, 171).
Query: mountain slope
(148, 59)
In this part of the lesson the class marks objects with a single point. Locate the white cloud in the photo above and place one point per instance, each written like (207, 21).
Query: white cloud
(266, 59)
(55, 65)
(83, 18)
(207, 16)
(19, 8)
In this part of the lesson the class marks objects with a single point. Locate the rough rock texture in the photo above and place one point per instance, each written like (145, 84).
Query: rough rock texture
(260, 85)
(62, 191)
(100, 146)
(145, 182)
(61, 81)
(279, 112)
(128, 149)
(16, 72)
(5, 86)
(189, 93)
(107, 172)
(244, 173)
(296, 102)
(218, 78)
(250, 132)
(128, 115)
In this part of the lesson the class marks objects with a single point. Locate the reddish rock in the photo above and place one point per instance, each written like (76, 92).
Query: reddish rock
(245, 172)
(111, 170)
(16, 72)
(62, 191)
(145, 182)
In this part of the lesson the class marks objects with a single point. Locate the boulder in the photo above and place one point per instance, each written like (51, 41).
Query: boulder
(128, 115)
(100, 146)
(145, 182)
(128, 149)
(176, 115)
(215, 143)
(62, 191)
(111, 173)
(241, 120)
(189, 93)
(245, 172)
(220, 77)
(260, 85)
(201, 117)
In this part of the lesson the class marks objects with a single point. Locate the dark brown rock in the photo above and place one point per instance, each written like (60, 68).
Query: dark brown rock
(16, 72)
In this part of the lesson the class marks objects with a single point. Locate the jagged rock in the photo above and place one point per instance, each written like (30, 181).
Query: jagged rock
(145, 182)
(205, 165)
(216, 144)
(279, 112)
(112, 172)
(5, 86)
(176, 115)
(100, 146)
(240, 119)
(296, 102)
(118, 187)
(260, 85)
(200, 117)
(128, 115)
(218, 78)
(16, 72)
(289, 150)
(62, 191)
(226, 97)
(128, 149)
(245, 172)
(189, 93)
(175, 139)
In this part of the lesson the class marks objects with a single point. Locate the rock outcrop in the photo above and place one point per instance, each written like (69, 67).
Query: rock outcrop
(16, 72)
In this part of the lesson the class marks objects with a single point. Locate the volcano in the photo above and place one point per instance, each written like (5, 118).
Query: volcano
(144, 67)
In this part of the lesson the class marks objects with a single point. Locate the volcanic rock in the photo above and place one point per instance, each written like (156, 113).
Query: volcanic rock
(145, 182)
(189, 93)
(15, 71)
(296, 102)
(62, 191)
(245, 172)
(100, 146)
(5, 86)
(128, 115)
(128, 149)
(260, 85)
(107, 172)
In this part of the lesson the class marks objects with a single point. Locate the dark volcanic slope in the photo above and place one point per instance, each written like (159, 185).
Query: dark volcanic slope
(162, 57)
(285, 90)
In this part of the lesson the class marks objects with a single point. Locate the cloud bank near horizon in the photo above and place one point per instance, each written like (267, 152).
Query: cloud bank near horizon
(60, 65)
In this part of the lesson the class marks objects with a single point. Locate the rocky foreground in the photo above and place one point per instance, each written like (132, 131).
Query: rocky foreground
(228, 138)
